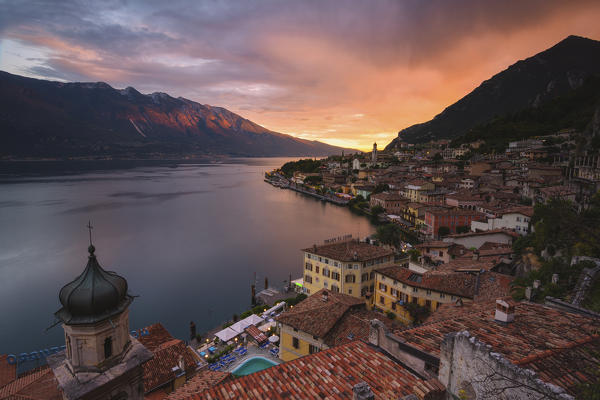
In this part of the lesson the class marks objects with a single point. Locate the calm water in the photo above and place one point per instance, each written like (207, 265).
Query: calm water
(188, 240)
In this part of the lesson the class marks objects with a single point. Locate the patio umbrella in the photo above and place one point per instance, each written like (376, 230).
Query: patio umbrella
(274, 339)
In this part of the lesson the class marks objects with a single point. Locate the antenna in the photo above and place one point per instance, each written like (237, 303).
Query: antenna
(90, 227)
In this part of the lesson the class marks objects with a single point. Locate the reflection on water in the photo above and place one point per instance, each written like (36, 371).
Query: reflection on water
(188, 239)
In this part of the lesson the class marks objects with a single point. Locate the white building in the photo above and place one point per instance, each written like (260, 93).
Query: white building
(515, 219)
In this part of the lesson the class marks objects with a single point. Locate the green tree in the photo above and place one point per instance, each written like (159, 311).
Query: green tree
(389, 234)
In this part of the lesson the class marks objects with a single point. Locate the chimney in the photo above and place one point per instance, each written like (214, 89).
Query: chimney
(505, 311)
(325, 295)
(475, 255)
(555, 279)
(355, 256)
(362, 391)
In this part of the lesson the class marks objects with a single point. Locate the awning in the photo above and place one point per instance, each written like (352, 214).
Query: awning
(226, 334)
(246, 322)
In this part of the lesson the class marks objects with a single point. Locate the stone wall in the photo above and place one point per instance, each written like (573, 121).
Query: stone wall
(470, 369)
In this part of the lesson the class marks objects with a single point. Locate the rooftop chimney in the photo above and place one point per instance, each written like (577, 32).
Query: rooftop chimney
(355, 256)
(505, 311)
(325, 295)
(475, 255)
(362, 391)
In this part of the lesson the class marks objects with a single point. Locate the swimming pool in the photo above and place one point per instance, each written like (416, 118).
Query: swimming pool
(253, 365)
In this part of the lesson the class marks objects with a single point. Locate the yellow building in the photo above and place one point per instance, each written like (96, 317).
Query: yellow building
(322, 321)
(396, 287)
(344, 267)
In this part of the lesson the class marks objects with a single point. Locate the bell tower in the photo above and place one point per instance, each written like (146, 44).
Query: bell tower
(374, 154)
(101, 360)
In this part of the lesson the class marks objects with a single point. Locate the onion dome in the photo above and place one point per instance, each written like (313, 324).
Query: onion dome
(93, 296)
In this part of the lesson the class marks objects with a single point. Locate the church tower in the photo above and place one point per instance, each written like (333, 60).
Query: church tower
(101, 360)
(374, 154)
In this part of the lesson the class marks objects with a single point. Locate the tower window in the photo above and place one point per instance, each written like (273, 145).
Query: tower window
(108, 347)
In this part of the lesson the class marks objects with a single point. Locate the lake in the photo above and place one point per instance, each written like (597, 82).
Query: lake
(188, 238)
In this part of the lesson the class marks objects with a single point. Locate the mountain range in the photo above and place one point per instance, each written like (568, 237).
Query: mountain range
(40, 118)
(528, 83)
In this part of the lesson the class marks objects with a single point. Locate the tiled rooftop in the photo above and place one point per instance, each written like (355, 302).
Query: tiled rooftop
(8, 373)
(159, 370)
(318, 317)
(490, 232)
(329, 374)
(473, 286)
(40, 385)
(199, 383)
(539, 338)
(345, 251)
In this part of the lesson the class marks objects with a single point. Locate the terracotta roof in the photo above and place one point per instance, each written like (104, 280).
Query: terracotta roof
(157, 335)
(8, 373)
(198, 384)
(257, 334)
(159, 370)
(328, 374)
(388, 196)
(569, 367)
(40, 385)
(317, 317)
(490, 232)
(345, 251)
(434, 244)
(525, 210)
(355, 325)
(536, 332)
(469, 285)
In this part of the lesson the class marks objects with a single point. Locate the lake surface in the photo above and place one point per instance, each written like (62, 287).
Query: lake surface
(187, 237)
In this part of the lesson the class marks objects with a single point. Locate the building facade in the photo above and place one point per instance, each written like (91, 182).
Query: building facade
(344, 267)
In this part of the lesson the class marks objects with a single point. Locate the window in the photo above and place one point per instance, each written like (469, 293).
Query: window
(441, 254)
(335, 275)
(308, 278)
(349, 291)
(317, 279)
(394, 292)
(108, 347)
(326, 272)
(317, 269)
(364, 277)
(320, 259)
(428, 304)
(403, 286)
(324, 284)
(428, 292)
(296, 343)
(349, 266)
(335, 289)
(414, 300)
(381, 300)
(372, 275)
(415, 290)
(312, 349)
(309, 266)
(404, 298)
(335, 263)
(393, 305)
(452, 297)
(382, 287)
(308, 256)
(442, 296)
(326, 261)
(350, 278)
(355, 266)
(363, 291)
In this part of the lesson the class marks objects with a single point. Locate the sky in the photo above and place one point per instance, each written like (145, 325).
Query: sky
(345, 72)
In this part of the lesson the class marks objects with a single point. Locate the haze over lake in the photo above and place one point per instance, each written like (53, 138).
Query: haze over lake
(188, 239)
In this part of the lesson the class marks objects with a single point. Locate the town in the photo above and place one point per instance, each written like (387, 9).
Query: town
(479, 283)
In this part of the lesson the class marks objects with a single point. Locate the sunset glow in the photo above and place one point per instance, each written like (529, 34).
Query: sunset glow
(346, 74)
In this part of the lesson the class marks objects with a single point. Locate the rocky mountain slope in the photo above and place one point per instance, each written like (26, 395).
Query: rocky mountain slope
(527, 83)
(41, 118)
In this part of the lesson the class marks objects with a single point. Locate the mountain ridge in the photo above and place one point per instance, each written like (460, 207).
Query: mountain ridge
(528, 82)
(40, 118)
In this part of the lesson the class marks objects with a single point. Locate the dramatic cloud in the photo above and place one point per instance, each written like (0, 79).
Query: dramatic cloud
(345, 72)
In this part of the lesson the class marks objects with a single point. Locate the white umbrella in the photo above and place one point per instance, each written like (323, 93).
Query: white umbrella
(274, 339)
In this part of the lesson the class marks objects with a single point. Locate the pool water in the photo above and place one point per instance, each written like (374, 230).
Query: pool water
(253, 365)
